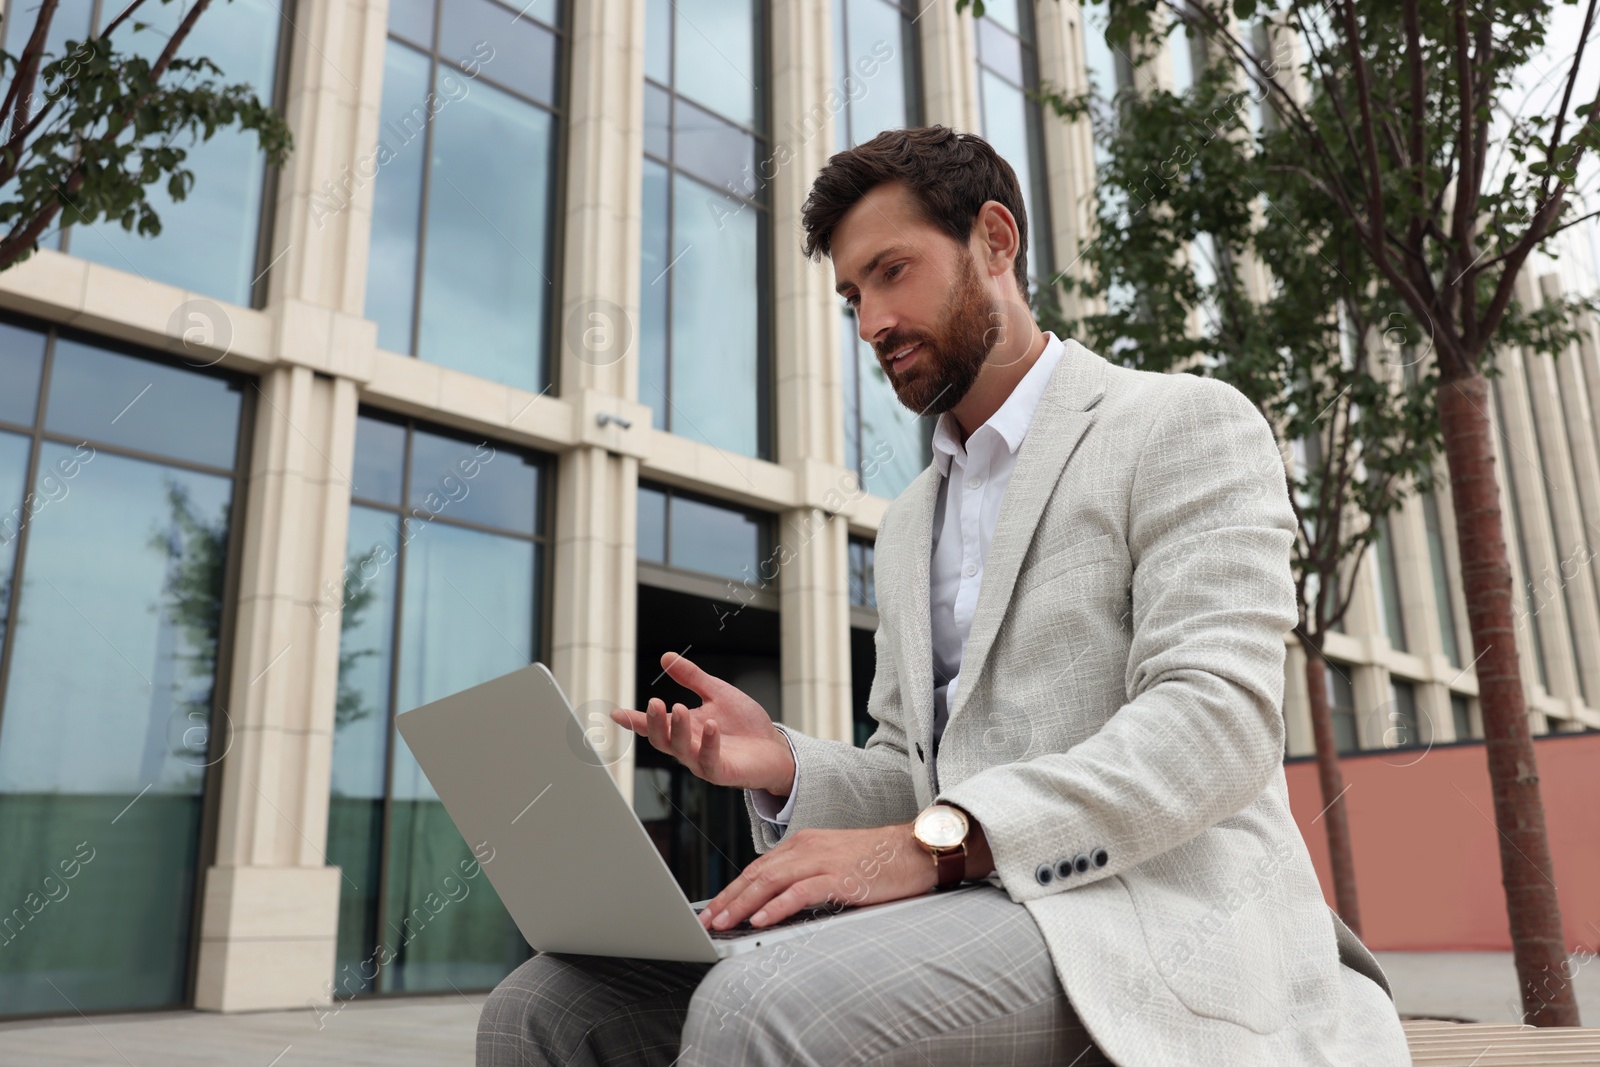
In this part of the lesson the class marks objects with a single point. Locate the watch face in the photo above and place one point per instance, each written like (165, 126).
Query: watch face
(941, 827)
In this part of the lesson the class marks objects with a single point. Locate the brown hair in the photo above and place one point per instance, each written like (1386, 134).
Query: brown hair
(950, 176)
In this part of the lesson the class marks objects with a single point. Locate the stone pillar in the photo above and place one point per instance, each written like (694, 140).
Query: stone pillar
(814, 621)
(269, 907)
(596, 582)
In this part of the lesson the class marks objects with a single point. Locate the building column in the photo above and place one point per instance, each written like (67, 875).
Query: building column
(1068, 147)
(1522, 455)
(269, 907)
(949, 68)
(595, 594)
(814, 619)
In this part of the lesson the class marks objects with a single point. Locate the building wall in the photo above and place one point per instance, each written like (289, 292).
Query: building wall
(269, 908)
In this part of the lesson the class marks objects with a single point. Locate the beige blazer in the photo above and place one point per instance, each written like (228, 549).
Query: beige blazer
(1118, 731)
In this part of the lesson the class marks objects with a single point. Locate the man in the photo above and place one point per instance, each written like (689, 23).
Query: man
(1079, 683)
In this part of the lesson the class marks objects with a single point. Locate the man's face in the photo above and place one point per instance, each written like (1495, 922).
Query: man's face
(917, 295)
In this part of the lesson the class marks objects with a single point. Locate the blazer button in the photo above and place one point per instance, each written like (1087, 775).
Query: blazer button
(1045, 874)
(1064, 866)
(1100, 858)
(1080, 862)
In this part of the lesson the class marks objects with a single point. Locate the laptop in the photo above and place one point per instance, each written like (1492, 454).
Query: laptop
(562, 846)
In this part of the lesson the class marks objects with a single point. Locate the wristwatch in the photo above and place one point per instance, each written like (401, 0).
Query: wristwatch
(941, 829)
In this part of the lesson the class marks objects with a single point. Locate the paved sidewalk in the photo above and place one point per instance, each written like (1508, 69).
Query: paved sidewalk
(407, 1032)
(1478, 987)
(439, 1031)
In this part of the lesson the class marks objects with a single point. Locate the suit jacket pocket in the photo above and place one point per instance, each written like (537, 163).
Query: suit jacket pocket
(1215, 948)
(1045, 564)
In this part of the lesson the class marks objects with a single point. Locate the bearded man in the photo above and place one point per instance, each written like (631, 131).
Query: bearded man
(1082, 606)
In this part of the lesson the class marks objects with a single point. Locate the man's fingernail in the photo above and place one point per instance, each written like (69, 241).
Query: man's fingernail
(759, 917)
(722, 917)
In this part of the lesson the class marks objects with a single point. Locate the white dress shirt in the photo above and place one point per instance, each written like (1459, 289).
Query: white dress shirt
(963, 525)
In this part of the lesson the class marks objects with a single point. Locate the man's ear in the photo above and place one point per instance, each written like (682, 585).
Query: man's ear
(995, 230)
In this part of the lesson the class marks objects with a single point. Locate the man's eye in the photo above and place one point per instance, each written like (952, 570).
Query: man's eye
(892, 271)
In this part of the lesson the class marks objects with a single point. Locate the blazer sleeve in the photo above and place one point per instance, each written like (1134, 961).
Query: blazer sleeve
(1210, 530)
(848, 787)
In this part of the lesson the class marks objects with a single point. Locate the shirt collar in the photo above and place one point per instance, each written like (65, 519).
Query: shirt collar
(1012, 419)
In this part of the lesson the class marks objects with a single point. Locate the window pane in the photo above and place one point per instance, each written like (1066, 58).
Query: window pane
(412, 19)
(849, 340)
(1387, 587)
(467, 617)
(1401, 727)
(1443, 603)
(652, 525)
(658, 40)
(1460, 711)
(877, 86)
(379, 459)
(483, 35)
(657, 121)
(1005, 126)
(13, 477)
(1000, 51)
(891, 433)
(360, 739)
(714, 319)
(473, 482)
(106, 718)
(21, 356)
(716, 67)
(655, 283)
(142, 404)
(1005, 13)
(397, 197)
(208, 242)
(709, 148)
(715, 540)
(486, 273)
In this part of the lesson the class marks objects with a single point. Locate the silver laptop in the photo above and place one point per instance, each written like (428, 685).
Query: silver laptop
(561, 845)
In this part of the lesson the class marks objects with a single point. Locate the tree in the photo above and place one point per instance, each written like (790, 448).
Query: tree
(1383, 122)
(86, 131)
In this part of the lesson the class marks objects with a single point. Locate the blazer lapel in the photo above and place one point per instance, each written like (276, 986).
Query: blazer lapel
(1065, 411)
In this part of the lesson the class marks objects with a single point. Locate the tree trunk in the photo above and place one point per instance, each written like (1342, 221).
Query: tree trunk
(1537, 940)
(1341, 860)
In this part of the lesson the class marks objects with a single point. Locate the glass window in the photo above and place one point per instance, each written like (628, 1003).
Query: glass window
(1007, 70)
(462, 247)
(1445, 606)
(1341, 705)
(112, 564)
(1386, 585)
(1401, 727)
(705, 202)
(862, 591)
(1105, 66)
(652, 533)
(703, 535)
(1461, 714)
(208, 241)
(886, 444)
(437, 596)
(21, 359)
(141, 404)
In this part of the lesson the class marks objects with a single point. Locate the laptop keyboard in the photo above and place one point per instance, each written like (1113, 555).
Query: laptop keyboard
(744, 929)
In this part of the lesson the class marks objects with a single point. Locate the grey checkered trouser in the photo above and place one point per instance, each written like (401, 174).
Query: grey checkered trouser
(955, 980)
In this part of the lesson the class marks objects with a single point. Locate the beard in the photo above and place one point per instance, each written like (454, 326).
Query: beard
(951, 356)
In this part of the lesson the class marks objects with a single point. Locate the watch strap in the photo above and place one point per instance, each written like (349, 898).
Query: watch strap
(950, 866)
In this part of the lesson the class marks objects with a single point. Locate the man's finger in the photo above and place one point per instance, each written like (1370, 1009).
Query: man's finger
(710, 747)
(806, 893)
(681, 734)
(773, 878)
(686, 674)
(629, 719)
(656, 726)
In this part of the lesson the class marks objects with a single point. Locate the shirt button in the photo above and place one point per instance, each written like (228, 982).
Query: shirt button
(972, 568)
(974, 482)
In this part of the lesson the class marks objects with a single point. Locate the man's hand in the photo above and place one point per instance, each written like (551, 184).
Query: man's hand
(728, 740)
(813, 867)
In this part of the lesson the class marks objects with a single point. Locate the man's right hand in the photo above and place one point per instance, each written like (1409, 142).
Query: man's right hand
(728, 740)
